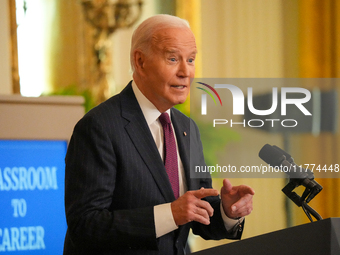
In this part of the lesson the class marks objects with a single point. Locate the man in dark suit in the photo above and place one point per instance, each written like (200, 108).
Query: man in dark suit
(119, 197)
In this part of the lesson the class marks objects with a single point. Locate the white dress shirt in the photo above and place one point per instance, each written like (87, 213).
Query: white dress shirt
(164, 220)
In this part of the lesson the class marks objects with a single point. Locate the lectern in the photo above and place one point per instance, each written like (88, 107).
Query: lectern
(316, 238)
(34, 133)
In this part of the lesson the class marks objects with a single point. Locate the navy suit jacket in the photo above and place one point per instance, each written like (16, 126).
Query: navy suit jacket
(115, 176)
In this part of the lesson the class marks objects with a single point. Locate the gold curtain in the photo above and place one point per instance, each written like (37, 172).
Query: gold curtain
(241, 39)
(320, 58)
(190, 10)
(14, 47)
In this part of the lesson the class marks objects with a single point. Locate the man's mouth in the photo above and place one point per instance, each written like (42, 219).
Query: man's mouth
(179, 86)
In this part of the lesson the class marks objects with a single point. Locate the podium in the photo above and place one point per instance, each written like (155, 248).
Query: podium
(316, 238)
(34, 133)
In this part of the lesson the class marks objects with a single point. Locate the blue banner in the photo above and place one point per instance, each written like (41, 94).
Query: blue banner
(32, 217)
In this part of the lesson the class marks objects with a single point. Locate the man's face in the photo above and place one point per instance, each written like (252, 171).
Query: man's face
(167, 71)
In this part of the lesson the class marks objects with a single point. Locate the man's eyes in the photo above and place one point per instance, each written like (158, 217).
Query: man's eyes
(190, 60)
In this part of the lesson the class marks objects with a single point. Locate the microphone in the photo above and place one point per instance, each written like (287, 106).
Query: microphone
(288, 157)
(276, 157)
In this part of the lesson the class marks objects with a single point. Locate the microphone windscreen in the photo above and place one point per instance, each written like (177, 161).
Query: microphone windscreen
(271, 155)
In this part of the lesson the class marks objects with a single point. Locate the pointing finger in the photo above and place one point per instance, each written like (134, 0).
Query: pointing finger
(202, 193)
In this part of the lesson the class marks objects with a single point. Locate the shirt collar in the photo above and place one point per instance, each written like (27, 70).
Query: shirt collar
(150, 111)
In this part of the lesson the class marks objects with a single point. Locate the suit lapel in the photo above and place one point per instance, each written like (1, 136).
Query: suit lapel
(182, 129)
(141, 137)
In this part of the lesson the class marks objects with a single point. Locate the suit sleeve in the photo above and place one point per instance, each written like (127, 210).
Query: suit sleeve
(91, 171)
(216, 229)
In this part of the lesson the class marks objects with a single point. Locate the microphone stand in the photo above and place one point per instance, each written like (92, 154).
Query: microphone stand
(312, 189)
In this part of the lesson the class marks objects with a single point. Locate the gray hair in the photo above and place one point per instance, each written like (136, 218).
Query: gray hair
(141, 38)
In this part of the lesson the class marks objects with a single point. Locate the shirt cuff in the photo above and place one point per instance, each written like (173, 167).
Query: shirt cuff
(229, 224)
(164, 220)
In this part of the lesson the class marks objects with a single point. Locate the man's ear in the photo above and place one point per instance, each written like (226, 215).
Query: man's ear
(138, 58)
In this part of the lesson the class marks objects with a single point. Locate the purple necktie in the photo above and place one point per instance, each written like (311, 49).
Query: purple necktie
(170, 153)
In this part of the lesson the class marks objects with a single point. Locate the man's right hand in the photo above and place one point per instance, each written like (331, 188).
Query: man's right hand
(190, 207)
